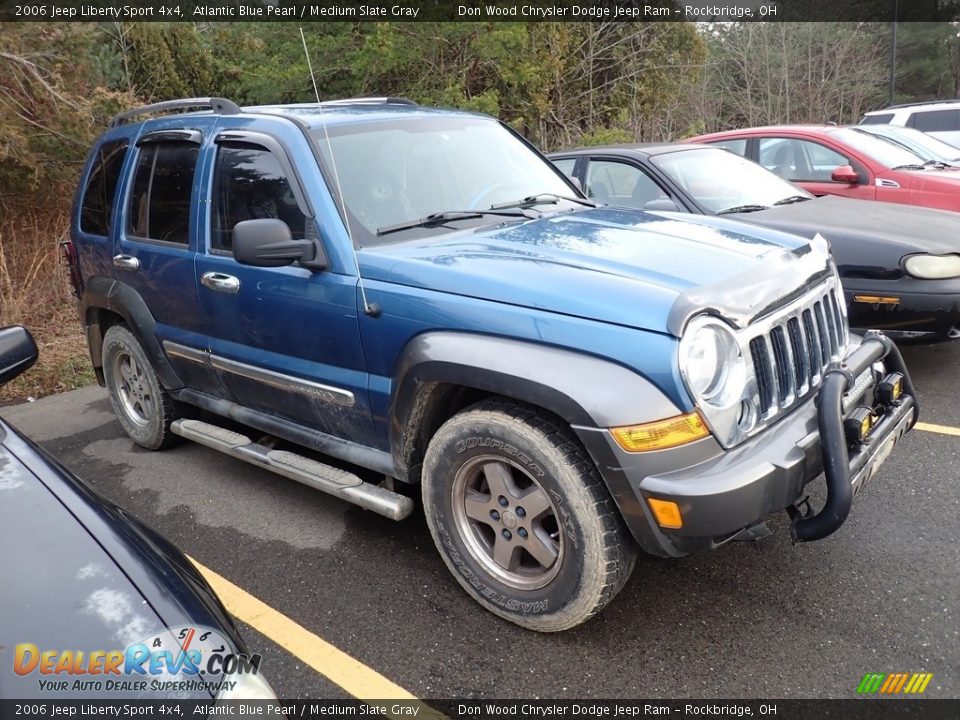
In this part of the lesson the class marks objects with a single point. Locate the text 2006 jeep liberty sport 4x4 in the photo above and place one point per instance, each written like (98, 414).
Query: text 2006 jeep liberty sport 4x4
(418, 292)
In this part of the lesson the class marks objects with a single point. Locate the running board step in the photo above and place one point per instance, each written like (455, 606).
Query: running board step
(326, 478)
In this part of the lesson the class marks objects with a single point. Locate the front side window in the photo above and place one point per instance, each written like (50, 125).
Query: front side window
(395, 171)
(159, 206)
(98, 194)
(249, 184)
(622, 184)
(794, 159)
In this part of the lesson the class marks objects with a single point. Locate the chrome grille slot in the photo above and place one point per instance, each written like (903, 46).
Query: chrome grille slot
(763, 368)
(791, 349)
(801, 361)
(784, 367)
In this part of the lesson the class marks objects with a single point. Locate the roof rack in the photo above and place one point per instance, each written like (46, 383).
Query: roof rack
(371, 101)
(924, 102)
(216, 104)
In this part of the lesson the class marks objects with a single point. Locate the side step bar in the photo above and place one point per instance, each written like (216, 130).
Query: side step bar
(326, 478)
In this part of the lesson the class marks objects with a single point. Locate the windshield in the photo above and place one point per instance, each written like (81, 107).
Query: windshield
(400, 170)
(927, 146)
(882, 151)
(719, 180)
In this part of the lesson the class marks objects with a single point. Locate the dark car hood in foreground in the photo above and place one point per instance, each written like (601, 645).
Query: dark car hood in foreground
(866, 234)
(79, 575)
(607, 264)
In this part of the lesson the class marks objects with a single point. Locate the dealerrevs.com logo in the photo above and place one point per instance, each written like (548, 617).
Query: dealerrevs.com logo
(182, 659)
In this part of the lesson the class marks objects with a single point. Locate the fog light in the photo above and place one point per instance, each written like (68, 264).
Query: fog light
(661, 434)
(857, 427)
(890, 388)
(667, 513)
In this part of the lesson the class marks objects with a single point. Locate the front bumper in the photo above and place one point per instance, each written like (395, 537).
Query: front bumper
(723, 494)
(923, 312)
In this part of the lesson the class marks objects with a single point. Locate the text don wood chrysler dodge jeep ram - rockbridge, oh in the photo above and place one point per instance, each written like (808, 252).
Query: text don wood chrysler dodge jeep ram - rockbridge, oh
(418, 292)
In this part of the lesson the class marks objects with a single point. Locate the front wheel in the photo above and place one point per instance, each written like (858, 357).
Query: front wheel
(522, 519)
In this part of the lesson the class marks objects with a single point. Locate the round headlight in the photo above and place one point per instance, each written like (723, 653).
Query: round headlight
(933, 267)
(710, 361)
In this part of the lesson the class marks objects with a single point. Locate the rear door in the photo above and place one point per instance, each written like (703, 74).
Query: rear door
(284, 340)
(157, 239)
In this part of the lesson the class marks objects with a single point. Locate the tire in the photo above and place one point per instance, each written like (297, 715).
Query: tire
(480, 469)
(143, 407)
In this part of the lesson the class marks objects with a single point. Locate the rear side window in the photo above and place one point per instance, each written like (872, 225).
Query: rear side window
(881, 119)
(936, 120)
(98, 195)
(249, 184)
(159, 207)
(736, 145)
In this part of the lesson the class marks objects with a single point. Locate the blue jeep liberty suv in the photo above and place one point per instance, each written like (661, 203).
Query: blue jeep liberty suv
(419, 293)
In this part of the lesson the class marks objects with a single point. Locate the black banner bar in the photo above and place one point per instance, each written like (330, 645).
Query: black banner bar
(309, 11)
(854, 709)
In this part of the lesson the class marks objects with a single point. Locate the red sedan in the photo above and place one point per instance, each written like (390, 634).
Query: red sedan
(831, 160)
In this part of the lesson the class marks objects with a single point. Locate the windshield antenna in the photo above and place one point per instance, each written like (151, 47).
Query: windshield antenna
(373, 310)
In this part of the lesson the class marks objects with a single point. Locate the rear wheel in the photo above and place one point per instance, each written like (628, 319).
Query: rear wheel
(521, 517)
(144, 408)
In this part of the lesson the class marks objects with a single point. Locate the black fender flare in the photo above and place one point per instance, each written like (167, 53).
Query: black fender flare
(581, 389)
(105, 293)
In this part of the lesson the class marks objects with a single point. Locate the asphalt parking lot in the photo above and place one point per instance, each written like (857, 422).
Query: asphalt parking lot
(763, 620)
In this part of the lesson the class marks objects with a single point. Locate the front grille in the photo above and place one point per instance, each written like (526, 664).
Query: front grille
(792, 348)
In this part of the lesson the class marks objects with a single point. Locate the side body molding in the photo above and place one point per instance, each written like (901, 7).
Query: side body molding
(106, 293)
(581, 389)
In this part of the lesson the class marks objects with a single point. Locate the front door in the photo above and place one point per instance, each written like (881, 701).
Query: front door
(284, 341)
(810, 164)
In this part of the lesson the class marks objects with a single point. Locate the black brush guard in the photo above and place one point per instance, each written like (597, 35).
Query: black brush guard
(843, 473)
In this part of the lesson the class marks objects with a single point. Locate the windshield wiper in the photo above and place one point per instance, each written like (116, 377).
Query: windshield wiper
(542, 199)
(743, 209)
(792, 199)
(913, 166)
(438, 218)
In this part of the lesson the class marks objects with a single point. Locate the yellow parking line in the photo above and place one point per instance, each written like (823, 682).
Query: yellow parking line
(942, 429)
(363, 682)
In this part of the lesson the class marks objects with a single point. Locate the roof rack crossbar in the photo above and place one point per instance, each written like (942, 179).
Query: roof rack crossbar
(217, 104)
(388, 100)
(922, 102)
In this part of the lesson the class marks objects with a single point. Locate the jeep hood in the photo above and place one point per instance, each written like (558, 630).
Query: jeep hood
(611, 265)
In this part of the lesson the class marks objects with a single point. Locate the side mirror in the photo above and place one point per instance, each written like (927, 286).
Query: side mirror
(267, 242)
(845, 174)
(661, 205)
(18, 352)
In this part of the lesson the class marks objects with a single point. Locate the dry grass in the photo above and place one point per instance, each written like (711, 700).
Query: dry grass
(35, 292)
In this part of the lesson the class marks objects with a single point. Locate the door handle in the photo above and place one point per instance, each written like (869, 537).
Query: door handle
(220, 282)
(126, 262)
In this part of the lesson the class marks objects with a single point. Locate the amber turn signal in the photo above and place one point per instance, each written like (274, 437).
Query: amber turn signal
(661, 434)
(667, 513)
